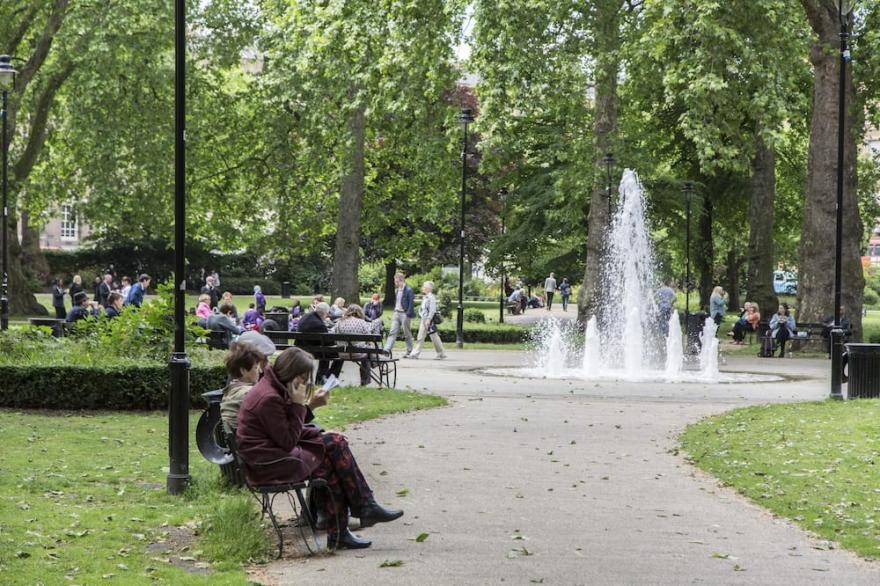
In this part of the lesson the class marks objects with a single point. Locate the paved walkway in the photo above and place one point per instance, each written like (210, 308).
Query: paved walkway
(535, 481)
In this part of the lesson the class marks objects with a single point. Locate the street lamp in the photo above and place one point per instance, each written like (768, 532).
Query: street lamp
(608, 161)
(466, 117)
(7, 81)
(178, 403)
(502, 295)
(688, 190)
(844, 13)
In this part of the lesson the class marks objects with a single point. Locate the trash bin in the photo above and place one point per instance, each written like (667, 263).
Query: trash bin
(212, 444)
(694, 327)
(285, 289)
(864, 371)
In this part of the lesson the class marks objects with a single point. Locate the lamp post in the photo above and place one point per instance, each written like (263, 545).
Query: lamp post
(466, 117)
(608, 161)
(502, 297)
(178, 403)
(844, 13)
(7, 81)
(688, 190)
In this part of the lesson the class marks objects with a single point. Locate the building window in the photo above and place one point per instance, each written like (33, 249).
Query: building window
(69, 225)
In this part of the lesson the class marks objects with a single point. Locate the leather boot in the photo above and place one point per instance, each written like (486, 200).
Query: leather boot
(372, 513)
(345, 539)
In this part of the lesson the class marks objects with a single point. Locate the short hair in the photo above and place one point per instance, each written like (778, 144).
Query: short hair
(144, 277)
(429, 284)
(227, 308)
(399, 275)
(354, 310)
(241, 357)
(126, 279)
(204, 298)
(225, 293)
(113, 297)
(292, 363)
(262, 343)
(322, 308)
(375, 297)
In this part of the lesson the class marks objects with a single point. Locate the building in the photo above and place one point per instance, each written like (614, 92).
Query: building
(63, 231)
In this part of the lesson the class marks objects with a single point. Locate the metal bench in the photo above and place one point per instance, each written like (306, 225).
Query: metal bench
(59, 327)
(346, 347)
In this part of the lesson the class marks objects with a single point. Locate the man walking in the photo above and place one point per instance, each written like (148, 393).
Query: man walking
(136, 294)
(403, 313)
(104, 289)
(210, 289)
(549, 289)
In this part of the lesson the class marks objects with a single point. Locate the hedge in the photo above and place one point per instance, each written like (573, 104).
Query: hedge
(496, 335)
(115, 388)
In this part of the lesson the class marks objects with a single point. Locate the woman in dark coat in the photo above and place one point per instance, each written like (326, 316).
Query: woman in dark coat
(280, 446)
(58, 300)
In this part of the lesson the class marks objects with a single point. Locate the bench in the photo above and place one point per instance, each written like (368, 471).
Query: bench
(514, 308)
(804, 333)
(59, 327)
(346, 347)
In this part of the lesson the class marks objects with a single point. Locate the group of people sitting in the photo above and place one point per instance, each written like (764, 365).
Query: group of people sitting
(270, 408)
(109, 300)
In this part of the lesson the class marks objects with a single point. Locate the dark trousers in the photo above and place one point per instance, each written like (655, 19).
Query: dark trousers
(782, 337)
(565, 302)
(326, 368)
(740, 329)
(549, 299)
(60, 312)
(348, 489)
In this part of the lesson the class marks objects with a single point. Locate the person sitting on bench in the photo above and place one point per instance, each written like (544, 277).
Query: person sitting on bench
(278, 447)
(782, 326)
(315, 322)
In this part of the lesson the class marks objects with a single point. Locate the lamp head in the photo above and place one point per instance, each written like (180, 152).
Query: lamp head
(608, 159)
(7, 72)
(466, 116)
(844, 11)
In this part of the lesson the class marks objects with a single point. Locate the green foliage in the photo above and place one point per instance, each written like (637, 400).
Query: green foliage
(474, 316)
(233, 533)
(444, 303)
(780, 457)
(120, 387)
(870, 297)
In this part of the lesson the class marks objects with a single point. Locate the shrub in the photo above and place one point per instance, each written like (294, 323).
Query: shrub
(90, 387)
(445, 304)
(474, 316)
(871, 297)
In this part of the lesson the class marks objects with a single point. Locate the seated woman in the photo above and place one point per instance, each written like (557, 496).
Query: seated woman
(224, 322)
(114, 305)
(278, 447)
(244, 364)
(337, 310)
(353, 322)
(203, 311)
(742, 324)
(227, 300)
(782, 326)
(373, 314)
(253, 319)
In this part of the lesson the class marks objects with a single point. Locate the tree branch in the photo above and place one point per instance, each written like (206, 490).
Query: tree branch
(23, 25)
(44, 44)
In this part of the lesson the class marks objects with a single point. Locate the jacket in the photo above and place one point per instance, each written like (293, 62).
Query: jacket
(272, 435)
(775, 325)
(373, 311)
(406, 300)
(428, 308)
(717, 305)
(135, 295)
(57, 296)
(213, 293)
(102, 293)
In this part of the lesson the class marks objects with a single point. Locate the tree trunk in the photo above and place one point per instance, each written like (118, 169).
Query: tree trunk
(390, 295)
(817, 250)
(705, 254)
(34, 262)
(21, 299)
(604, 128)
(732, 279)
(348, 228)
(759, 276)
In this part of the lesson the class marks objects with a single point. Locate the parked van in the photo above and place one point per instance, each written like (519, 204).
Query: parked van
(784, 282)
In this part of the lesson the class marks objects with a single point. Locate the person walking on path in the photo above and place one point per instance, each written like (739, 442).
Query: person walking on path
(211, 290)
(427, 327)
(549, 289)
(565, 292)
(136, 294)
(103, 290)
(58, 300)
(403, 313)
(259, 300)
(665, 305)
(75, 287)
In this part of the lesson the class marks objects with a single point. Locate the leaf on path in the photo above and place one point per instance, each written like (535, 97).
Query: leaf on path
(391, 564)
(403, 492)
(422, 537)
(720, 556)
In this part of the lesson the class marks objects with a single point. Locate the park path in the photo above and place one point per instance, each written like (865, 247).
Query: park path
(524, 481)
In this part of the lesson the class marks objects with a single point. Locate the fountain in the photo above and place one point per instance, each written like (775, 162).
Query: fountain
(625, 339)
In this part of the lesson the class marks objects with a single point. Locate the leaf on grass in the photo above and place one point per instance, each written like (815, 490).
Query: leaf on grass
(403, 492)
(391, 564)
(422, 537)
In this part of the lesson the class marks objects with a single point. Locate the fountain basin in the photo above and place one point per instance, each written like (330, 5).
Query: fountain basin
(644, 376)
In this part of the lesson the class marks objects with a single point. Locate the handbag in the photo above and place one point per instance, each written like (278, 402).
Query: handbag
(437, 319)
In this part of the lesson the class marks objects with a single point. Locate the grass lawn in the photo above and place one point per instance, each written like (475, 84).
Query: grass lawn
(815, 463)
(82, 497)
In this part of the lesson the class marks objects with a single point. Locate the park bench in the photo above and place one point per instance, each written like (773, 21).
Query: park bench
(514, 308)
(346, 347)
(804, 333)
(59, 327)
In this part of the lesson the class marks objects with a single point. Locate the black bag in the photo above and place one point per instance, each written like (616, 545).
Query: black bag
(437, 319)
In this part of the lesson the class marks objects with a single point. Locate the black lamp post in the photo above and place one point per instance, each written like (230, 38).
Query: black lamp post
(608, 161)
(178, 403)
(502, 297)
(466, 117)
(688, 191)
(844, 12)
(7, 81)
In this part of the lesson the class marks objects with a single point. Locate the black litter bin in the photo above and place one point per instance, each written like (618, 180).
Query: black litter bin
(694, 327)
(211, 441)
(864, 371)
(285, 289)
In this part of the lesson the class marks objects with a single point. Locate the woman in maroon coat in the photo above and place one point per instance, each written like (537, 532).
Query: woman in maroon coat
(279, 446)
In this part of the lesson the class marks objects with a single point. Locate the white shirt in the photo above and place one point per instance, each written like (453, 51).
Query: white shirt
(549, 285)
(398, 305)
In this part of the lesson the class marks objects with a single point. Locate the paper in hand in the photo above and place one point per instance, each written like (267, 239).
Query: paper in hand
(331, 383)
